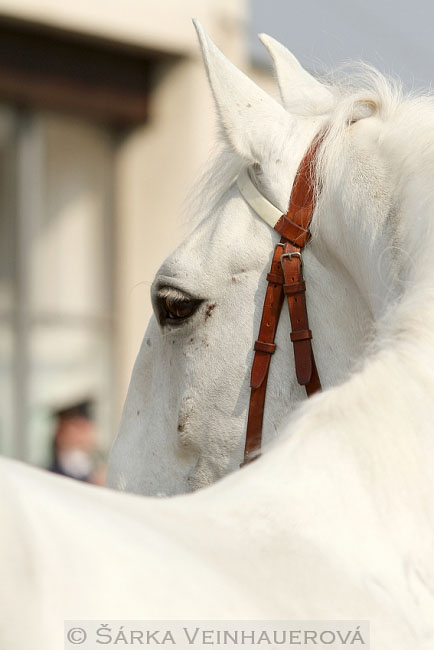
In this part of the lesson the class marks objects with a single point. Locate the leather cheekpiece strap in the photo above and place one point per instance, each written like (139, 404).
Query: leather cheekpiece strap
(264, 347)
(285, 278)
(303, 355)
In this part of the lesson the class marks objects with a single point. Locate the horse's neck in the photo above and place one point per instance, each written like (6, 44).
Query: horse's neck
(362, 309)
(340, 316)
(369, 440)
(388, 278)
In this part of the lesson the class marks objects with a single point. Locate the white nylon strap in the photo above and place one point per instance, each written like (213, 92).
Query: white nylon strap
(262, 206)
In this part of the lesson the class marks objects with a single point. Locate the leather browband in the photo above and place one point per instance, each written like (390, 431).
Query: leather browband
(284, 279)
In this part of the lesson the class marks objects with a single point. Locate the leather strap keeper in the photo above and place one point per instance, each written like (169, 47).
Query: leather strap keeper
(295, 287)
(302, 335)
(260, 346)
(275, 279)
(291, 231)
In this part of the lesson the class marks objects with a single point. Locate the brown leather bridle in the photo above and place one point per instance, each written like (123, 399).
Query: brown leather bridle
(285, 279)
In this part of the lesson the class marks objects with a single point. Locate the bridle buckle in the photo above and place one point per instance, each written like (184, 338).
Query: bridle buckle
(291, 255)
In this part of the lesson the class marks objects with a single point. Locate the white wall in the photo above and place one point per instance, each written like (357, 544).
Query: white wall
(159, 24)
(157, 163)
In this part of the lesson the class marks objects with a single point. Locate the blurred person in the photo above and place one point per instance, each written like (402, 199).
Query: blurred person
(75, 445)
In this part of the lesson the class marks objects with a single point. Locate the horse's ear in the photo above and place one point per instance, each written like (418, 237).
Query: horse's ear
(249, 117)
(298, 89)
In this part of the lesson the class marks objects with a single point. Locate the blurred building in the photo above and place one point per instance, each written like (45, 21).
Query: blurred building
(105, 121)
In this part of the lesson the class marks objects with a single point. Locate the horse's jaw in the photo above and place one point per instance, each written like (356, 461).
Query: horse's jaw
(161, 448)
(144, 459)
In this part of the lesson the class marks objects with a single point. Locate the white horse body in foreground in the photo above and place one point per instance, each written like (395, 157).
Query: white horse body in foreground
(335, 520)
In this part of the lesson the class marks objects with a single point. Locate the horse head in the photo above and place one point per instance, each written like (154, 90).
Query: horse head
(183, 425)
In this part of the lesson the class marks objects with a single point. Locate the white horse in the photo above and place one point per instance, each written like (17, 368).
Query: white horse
(185, 417)
(334, 521)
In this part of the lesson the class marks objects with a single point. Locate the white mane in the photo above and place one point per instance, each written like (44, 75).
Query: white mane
(356, 87)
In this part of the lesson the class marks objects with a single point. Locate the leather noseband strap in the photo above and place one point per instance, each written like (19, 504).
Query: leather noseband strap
(284, 279)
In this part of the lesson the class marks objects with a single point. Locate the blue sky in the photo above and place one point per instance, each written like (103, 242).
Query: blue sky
(395, 36)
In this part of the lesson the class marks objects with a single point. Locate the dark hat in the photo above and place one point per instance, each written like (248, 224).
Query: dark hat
(76, 410)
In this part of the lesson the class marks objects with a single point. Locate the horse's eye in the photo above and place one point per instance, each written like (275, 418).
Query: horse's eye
(177, 309)
(174, 306)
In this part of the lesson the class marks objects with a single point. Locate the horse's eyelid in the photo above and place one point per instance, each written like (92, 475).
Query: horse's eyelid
(173, 294)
